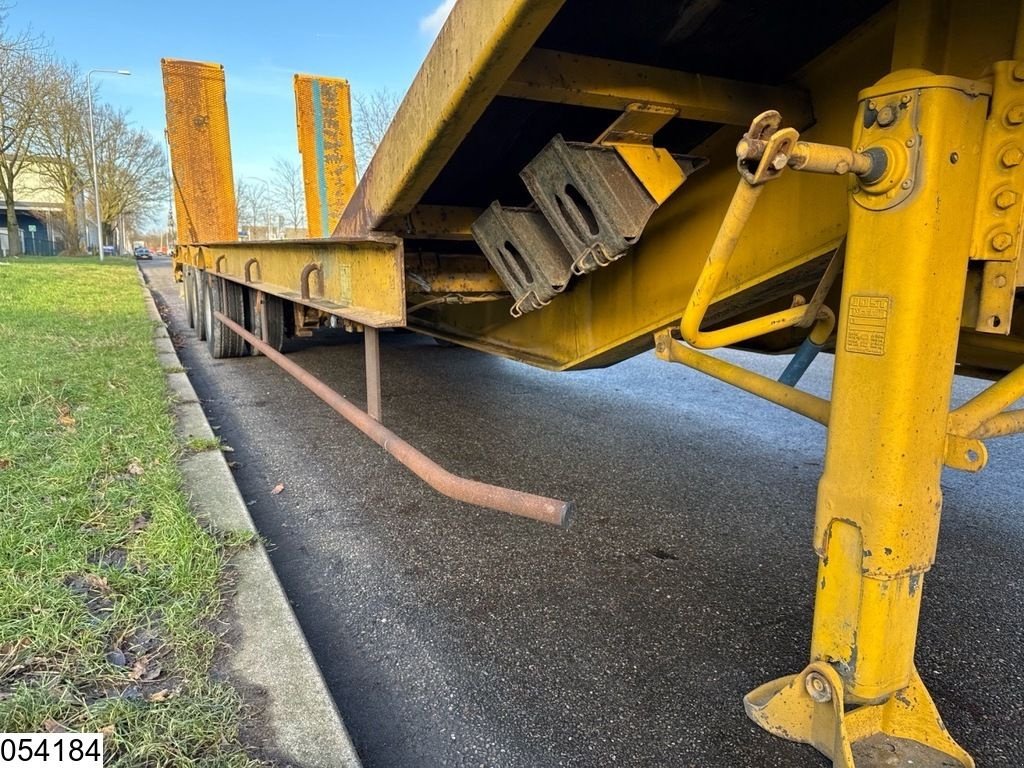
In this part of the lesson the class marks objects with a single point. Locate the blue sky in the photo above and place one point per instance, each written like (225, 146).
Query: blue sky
(376, 44)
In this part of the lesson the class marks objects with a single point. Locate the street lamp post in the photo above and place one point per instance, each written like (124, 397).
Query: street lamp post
(92, 142)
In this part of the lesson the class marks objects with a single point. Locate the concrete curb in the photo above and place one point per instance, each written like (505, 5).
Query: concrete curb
(269, 651)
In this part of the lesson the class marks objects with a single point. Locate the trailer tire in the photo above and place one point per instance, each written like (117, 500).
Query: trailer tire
(190, 297)
(224, 296)
(199, 303)
(274, 333)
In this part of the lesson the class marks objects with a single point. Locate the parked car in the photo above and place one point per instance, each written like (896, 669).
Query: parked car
(109, 250)
(141, 252)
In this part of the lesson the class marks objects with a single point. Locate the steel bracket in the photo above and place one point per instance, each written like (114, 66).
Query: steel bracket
(809, 708)
(632, 136)
(967, 454)
(999, 214)
(526, 253)
(592, 199)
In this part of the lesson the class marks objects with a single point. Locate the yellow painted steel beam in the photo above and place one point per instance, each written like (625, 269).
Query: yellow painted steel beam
(197, 134)
(586, 81)
(323, 117)
(478, 48)
(434, 222)
(360, 280)
(436, 273)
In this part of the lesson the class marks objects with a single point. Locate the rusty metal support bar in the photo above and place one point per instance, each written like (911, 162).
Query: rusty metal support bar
(371, 342)
(529, 505)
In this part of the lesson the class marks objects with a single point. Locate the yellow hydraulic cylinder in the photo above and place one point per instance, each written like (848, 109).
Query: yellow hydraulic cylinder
(200, 145)
(879, 499)
(323, 116)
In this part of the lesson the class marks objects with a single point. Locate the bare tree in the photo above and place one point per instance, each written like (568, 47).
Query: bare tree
(287, 192)
(62, 144)
(22, 103)
(372, 116)
(132, 169)
(252, 198)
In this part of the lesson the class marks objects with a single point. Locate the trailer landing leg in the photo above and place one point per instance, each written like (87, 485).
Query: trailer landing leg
(861, 701)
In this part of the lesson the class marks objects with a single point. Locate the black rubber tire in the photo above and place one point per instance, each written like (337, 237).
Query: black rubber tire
(274, 333)
(229, 298)
(199, 303)
(190, 296)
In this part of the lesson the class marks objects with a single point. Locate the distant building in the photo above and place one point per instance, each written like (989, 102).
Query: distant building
(39, 212)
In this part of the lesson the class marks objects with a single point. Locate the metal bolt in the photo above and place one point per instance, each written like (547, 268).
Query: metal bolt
(1018, 72)
(1015, 114)
(1006, 199)
(818, 688)
(886, 116)
(871, 104)
(842, 167)
(905, 99)
(1001, 241)
(910, 142)
(999, 281)
(1012, 157)
(907, 184)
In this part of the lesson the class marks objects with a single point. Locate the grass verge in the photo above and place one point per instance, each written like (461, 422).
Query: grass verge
(108, 586)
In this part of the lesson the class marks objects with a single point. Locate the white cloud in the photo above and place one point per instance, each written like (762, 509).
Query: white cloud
(432, 23)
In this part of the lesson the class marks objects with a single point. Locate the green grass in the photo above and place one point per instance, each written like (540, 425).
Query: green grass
(108, 585)
(200, 444)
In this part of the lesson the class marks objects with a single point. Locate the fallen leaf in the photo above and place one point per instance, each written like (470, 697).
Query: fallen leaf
(138, 524)
(226, 448)
(4, 462)
(52, 726)
(277, 489)
(134, 468)
(107, 730)
(97, 583)
(146, 669)
(162, 695)
(68, 422)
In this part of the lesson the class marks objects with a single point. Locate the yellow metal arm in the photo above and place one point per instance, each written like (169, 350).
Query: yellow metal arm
(803, 403)
(707, 285)
(762, 154)
(973, 416)
(1008, 423)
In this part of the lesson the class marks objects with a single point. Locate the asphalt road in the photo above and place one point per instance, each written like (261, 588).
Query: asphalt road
(452, 636)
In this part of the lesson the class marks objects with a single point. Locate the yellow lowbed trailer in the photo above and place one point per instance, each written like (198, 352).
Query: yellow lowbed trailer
(571, 182)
